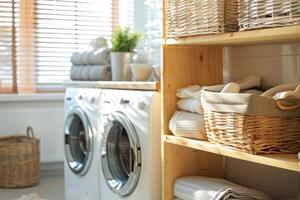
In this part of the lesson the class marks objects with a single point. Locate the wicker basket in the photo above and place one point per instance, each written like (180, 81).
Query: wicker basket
(19, 161)
(253, 130)
(198, 17)
(268, 13)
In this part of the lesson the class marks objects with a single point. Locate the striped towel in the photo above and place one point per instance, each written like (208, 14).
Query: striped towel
(204, 188)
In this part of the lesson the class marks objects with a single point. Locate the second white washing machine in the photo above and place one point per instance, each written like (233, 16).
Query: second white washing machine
(130, 151)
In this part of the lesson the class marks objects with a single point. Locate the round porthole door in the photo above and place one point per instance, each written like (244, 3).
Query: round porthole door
(120, 155)
(78, 141)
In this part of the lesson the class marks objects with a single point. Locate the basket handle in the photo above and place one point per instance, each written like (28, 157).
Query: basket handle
(30, 132)
(281, 105)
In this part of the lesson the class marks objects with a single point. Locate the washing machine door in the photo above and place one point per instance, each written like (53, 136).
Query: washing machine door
(120, 154)
(78, 141)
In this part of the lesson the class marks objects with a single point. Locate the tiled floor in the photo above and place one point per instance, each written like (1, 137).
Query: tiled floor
(50, 188)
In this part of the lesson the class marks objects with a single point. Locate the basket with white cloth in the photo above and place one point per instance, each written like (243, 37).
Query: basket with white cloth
(252, 123)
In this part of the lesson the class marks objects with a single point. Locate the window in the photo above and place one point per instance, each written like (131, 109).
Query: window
(38, 37)
(7, 48)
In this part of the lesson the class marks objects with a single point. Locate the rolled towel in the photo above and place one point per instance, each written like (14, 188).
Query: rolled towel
(288, 94)
(75, 73)
(190, 105)
(76, 58)
(85, 72)
(280, 88)
(99, 73)
(193, 91)
(85, 57)
(205, 188)
(231, 88)
(249, 82)
(98, 43)
(99, 57)
(186, 124)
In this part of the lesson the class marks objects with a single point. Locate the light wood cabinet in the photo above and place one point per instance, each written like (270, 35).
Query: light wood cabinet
(199, 60)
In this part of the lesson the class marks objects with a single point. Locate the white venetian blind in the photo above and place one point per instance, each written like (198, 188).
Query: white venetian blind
(63, 27)
(7, 46)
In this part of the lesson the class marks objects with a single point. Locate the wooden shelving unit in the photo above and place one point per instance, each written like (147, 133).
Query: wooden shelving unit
(199, 60)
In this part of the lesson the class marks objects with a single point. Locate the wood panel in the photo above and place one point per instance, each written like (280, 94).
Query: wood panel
(261, 36)
(179, 161)
(284, 161)
(187, 65)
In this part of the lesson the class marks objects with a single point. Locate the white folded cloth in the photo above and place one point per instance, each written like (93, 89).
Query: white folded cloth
(99, 73)
(85, 58)
(190, 105)
(193, 91)
(99, 57)
(90, 73)
(76, 58)
(205, 188)
(85, 71)
(186, 124)
(75, 73)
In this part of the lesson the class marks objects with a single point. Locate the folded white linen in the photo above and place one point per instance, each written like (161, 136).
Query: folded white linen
(186, 124)
(99, 73)
(193, 91)
(85, 71)
(190, 105)
(99, 57)
(84, 58)
(205, 188)
(75, 73)
(76, 58)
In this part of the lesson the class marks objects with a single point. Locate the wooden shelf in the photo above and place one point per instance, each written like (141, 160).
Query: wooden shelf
(271, 35)
(284, 161)
(127, 85)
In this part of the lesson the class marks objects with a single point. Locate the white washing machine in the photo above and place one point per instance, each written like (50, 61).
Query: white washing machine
(81, 144)
(130, 150)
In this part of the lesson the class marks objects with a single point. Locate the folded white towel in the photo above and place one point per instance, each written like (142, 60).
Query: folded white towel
(76, 58)
(193, 91)
(190, 105)
(75, 73)
(85, 71)
(186, 124)
(84, 60)
(205, 188)
(99, 57)
(99, 73)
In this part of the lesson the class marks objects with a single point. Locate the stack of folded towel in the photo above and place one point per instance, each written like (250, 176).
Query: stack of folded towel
(204, 188)
(92, 65)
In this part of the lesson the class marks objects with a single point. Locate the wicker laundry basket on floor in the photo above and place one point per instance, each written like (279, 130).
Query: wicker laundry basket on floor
(19, 161)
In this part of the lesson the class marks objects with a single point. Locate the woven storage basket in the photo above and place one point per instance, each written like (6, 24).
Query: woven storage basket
(251, 123)
(198, 17)
(19, 161)
(268, 13)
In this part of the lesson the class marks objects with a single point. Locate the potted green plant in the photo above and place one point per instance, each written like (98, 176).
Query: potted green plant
(124, 40)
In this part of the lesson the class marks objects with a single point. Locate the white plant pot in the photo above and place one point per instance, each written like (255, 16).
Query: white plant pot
(120, 66)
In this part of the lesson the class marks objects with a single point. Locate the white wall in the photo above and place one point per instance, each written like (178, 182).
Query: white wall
(276, 63)
(45, 116)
